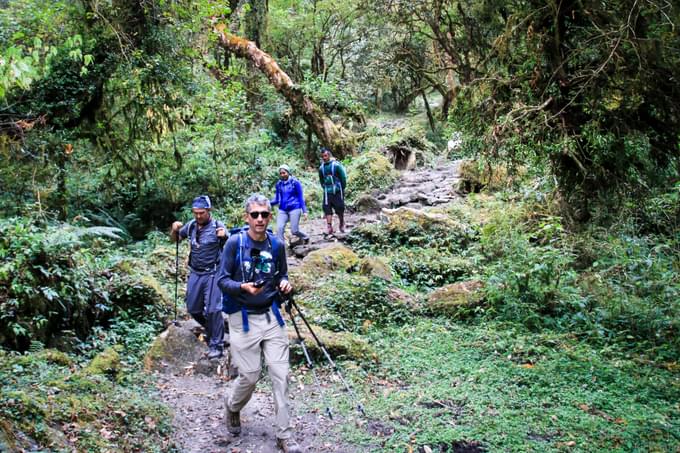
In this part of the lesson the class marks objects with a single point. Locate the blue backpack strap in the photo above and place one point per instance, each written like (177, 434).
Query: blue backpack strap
(275, 256)
(277, 314)
(190, 228)
(230, 306)
(244, 318)
(273, 240)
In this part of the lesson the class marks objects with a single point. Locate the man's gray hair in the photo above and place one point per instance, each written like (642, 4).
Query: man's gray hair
(257, 198)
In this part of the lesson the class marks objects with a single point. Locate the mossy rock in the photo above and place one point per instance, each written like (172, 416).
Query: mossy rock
(403, 220)
(302, 281)
(46, 355)
(56, 357)
(401, 298)
(366, 203)
(457, 300)
(345, 344)
(26, 403)
(173, 349)
(475, 177)
(370, 171)
(373, 266)
(415, 226)
(106, 363)
(329, 259)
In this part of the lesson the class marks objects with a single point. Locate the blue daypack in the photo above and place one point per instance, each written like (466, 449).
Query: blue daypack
(231, 306)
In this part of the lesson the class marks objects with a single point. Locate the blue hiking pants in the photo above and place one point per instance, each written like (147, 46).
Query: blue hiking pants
(204, 304)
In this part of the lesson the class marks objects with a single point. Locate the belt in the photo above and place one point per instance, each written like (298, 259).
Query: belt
(258, 311)
(207, 270)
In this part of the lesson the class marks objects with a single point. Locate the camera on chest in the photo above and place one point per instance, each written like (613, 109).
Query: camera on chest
(256, 260)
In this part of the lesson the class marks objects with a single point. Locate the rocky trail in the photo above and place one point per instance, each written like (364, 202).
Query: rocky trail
(194, 388)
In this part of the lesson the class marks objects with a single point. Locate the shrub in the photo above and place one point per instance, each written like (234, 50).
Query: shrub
(370, 171)
(45, 405)
(429, 268)
(614, 287)
(57, 277)
(348, 302)
(414, 228)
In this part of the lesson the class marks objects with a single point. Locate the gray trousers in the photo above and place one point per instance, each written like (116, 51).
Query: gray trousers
(204, 304)
(294, 216)
(264, 337)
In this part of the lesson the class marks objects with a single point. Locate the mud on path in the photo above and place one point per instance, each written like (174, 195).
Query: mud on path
(195, 390)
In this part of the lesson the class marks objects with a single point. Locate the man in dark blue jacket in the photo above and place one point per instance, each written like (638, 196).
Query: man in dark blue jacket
(204, 299)
(253, 270)
(291, 200)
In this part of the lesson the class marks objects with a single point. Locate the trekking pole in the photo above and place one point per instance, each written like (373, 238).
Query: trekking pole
(175, 323)
(308, 359)
(359, 406)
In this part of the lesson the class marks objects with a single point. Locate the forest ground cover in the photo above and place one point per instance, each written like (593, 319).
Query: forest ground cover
(489, 377)
(503, 388)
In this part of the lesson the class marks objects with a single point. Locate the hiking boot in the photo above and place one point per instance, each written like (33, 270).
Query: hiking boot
(329, 228)
(305, 241)
(233, 420)
(288, 445)
(341, 228)
(214, 353)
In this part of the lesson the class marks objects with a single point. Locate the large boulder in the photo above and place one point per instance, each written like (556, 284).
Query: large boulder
(319, 263)
(369, 171)
(457, 300)
(374, 266)
(475, 177)
(400, 298)
(419, 227)
(329, 259)
(345, 344)
(367, 203)
(106, 363)
(175, 349)
(403, 220)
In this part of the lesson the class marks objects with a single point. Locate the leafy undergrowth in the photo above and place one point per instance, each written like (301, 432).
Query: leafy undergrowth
(52, 401)
(498, 387)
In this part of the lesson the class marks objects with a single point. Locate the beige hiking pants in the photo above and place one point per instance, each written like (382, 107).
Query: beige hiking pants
(265, 336)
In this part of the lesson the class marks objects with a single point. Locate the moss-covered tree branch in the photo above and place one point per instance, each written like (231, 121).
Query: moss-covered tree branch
(338, 139)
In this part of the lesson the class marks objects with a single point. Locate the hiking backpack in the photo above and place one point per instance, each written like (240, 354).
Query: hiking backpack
(330, 181)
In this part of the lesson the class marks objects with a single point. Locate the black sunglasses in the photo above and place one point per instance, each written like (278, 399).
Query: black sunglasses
(256, 214)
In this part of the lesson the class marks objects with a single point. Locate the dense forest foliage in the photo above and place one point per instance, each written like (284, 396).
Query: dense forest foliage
(115, 113)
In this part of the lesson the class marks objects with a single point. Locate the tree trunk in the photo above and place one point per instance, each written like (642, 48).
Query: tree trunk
(430, 118)
(338, 139)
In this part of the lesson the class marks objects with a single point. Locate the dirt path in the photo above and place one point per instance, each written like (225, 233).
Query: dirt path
(195, 391)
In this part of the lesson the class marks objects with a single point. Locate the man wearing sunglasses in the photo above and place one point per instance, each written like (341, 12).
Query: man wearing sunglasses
(203, 298)
(253, 271)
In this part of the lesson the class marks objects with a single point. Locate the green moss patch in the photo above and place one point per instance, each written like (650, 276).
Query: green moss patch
(369, 171)
(329, 259)
(48, 404)
(456, 300)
